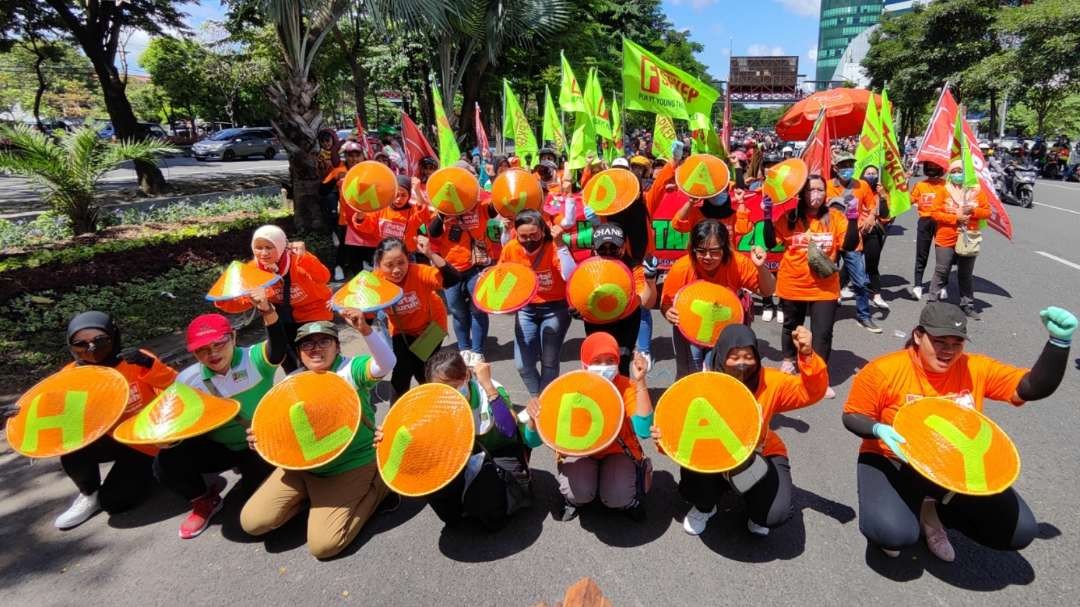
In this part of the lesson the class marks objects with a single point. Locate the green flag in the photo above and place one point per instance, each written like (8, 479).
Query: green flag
(552, 130)
(651, 85)
(962, 149)
(570, 97)
(595, 106)
(894, 177)
(448, 147)
(516, 127)
(871, 149)
(582, 141)
(663, 136)
(615, 146)
(706, 141)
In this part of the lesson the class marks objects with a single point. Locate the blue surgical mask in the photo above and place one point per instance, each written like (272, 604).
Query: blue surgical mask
(956, 178)
(846, 174)
(719, 200)
(608, 372)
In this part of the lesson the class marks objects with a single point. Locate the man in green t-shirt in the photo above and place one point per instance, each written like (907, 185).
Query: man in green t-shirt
(343, 493)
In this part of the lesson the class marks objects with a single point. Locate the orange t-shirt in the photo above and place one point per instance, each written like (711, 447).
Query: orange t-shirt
(946, 215)
(626, 431)
(794, 280)
(738, 273)
(545, 262)
(420, 304)
(893, 380)
(403, 223)
(926, 194)
(308, 296)
(456, 253)
(778, 392)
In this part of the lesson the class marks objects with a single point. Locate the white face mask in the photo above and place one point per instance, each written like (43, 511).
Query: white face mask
(608, 372)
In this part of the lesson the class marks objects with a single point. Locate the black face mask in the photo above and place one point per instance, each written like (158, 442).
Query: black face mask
(871, 181)
(532, 246)
(934, 173)
(741, 371)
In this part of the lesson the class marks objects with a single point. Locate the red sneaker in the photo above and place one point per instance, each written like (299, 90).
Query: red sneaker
(202, 510)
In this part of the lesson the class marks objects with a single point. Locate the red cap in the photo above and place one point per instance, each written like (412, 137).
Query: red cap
(598, 344)
(206, 329)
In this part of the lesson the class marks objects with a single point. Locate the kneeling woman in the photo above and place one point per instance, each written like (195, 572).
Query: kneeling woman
(496, 481)
(764, 481)
(614, 472)
(895, 501)
(343, 493)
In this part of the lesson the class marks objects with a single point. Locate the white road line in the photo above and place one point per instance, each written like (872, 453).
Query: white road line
(1050, 206)
(1058, 185)
(1075, 266)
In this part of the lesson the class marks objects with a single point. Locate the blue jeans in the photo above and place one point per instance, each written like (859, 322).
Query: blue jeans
(688, 357)
(539, 331)
(644, 336)
(470, 324)
(855, 270)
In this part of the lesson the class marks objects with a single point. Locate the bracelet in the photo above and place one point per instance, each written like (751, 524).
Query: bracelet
(1061, 343)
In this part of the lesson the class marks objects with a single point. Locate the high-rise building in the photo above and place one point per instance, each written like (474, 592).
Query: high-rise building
(841, 21)
(897, 7)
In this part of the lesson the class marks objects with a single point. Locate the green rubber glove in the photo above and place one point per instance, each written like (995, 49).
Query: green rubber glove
(1060, 323)
(891, 438)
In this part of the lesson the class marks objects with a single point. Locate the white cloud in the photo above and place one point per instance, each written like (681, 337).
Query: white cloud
(809, 8)
(812, 53)
(759, 50)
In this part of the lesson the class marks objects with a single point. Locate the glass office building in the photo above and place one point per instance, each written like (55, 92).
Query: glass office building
(841, 21)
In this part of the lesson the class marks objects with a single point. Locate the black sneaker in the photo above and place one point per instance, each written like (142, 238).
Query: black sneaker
(568, 512)
(869, 325)
(636, 512)
(390, 503)
(972, 313)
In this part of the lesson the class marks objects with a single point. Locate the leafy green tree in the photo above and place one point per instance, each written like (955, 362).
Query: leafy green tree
(177, 66)
(70, 168)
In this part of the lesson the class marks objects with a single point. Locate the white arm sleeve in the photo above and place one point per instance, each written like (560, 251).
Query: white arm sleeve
(382, 354)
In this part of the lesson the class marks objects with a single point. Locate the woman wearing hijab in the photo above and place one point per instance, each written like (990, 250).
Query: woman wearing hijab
(763, 481)
(959, 212)
(94, 339)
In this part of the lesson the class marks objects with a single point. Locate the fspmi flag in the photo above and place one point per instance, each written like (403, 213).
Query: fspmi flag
(651, 85)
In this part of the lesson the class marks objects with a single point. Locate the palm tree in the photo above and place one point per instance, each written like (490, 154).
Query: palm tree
(71, 167)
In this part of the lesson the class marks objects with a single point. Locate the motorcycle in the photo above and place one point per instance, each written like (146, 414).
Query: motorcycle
(1015, 185)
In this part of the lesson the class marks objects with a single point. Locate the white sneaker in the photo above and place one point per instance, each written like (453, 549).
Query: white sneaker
(830, 393)
(766, 315)
(780, 317)
(467, 356)
(943, 295)
(846, 293)
(695, 521)
(756, 529)
(476, 357)
(339, 274)
(879, 302)
(891, 553)
(917, 292)
(80, 511)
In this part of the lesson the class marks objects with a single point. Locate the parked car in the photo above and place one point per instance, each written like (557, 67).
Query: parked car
(145, 130)
(231, 144)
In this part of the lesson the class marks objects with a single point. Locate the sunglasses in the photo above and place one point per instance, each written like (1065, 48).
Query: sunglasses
(701, 252)
(214, 346)
(98, 342)
(321, 343)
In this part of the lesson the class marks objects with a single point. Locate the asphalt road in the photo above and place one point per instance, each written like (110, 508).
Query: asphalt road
(817, 558)
(21, 194)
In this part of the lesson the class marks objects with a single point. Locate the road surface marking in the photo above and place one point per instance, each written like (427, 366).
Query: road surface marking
(1050, 206)
(1059, 260)
(1058, 185)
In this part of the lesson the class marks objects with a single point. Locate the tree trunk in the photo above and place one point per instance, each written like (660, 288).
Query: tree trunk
(41, 85)
(470, 93)
(297, 126)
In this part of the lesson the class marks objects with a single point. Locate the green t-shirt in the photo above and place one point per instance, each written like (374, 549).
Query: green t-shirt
(487, 434)
(249, 378)
(360, 451)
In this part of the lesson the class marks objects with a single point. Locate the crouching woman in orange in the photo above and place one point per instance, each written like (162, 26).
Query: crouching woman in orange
(896, 503)
(764, 481)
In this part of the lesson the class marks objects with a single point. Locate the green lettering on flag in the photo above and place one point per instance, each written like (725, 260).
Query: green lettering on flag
(564, 435)
(595, 105)
(704, 422)
(516, 127)
(973, 450)
(663, 136)
(894, 177)
(311, 446)
(69, 421)
(652, 85)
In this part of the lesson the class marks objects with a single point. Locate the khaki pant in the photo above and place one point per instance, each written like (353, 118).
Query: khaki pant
(340, 505)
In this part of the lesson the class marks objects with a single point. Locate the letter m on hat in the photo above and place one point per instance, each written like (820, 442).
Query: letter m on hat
(650, 76)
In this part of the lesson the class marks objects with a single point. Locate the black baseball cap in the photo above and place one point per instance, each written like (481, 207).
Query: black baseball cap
(943, 319)
(608, 233)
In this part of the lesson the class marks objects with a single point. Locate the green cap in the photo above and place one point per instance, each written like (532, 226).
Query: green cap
(319, 327)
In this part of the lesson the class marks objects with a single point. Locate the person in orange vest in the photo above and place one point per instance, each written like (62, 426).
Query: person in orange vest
(925, 195)
(896, 503)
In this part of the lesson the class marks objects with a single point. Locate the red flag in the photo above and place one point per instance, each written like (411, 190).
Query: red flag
(416, 146)
(937, 146)
(369, 154)
(818, 152)
(726, 131)
(481, 135)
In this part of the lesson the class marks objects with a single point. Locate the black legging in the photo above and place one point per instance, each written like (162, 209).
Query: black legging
(822, 317)
(873, 243)
(768, 502)
(485, 501)
(181, 468)
(625, 332)
(128, 481)
(924, 239)
(891, 495)
(407, 367)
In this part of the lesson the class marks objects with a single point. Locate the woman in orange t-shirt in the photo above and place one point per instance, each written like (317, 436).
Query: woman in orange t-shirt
(896, 503)
(710, 257)
(540, 327)
(764, 481)
(417, 322)
(808, 282)
(401, 219)
(94, 339)
(962, 209)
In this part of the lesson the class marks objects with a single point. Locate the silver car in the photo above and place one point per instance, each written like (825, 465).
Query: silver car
(230, 144)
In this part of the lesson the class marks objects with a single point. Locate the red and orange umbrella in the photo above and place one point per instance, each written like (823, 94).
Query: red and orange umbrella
(844, 110)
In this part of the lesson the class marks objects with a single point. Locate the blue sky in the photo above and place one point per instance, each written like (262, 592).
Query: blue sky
(750, 27)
